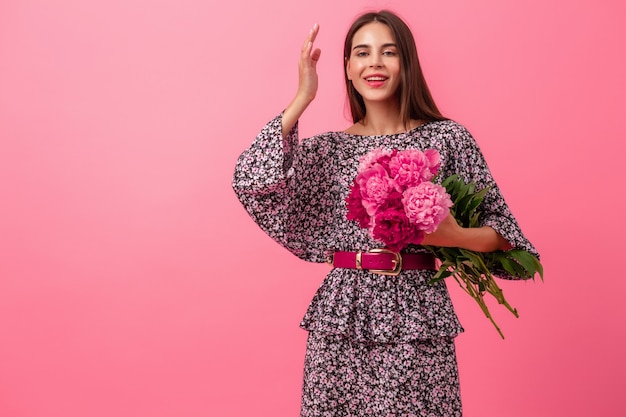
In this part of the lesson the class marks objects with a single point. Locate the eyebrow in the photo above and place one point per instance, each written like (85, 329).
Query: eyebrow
(386, 45)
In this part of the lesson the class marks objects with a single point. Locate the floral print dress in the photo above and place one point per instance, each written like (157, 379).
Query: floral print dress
(378, 345)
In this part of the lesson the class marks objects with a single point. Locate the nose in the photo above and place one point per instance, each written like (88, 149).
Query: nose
(375, 61)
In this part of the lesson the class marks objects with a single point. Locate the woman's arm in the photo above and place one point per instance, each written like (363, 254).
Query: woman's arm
(498, 228)
(307, 82)
(479, 239)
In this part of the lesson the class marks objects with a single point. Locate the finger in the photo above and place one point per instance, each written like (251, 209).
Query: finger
(310, 38)
(315, 55)
(313, 33)
(305, 57)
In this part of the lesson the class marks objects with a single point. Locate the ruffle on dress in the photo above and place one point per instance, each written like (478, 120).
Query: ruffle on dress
(367, 307)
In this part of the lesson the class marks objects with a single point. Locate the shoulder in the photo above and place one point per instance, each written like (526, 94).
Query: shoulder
(450, 132)
(326, 137)
(447, 126)
(321, 143)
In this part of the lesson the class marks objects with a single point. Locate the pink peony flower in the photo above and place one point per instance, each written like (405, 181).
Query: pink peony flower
(434, 159)
(412, 166)
(426, 205)
(379, 155)
(375, 185)
(392, 227)
(356, 211)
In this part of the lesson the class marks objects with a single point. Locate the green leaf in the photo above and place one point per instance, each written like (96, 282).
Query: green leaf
(477, 258)
(439, 276)
(478, 198)
(539, 268)
(512, 267)
(473, 222)
(525, 259)
(442, 272)
(451, 179)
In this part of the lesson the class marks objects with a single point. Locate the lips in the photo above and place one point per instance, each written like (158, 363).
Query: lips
(375, 80)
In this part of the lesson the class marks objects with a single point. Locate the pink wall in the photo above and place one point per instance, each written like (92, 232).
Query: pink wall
(133, 284)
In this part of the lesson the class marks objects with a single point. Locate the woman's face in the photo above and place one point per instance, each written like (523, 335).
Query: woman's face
(374, 63)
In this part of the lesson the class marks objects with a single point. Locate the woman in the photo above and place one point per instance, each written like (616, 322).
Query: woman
(378, 345)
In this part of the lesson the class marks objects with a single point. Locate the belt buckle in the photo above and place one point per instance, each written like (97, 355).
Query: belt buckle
(397, 263)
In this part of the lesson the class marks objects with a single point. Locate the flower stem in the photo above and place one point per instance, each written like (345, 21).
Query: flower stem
(477, 295)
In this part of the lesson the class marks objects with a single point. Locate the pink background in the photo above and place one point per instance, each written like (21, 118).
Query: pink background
(132, 283)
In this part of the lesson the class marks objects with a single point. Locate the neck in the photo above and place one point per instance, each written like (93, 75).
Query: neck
(383, 119)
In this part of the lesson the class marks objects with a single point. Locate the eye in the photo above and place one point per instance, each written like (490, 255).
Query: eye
(390, 53)
(361, 54)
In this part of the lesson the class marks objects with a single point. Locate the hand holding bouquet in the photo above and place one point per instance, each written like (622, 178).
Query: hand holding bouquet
(395, 198)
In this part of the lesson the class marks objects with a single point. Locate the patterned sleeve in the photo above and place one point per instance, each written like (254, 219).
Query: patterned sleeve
(469, 162)
(280, 184)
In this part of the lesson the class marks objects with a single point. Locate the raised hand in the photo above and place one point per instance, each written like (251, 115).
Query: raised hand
(307, 82)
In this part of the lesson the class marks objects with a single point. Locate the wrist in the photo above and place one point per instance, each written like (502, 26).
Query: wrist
(481, 239)
(292, 113)
(303, 99)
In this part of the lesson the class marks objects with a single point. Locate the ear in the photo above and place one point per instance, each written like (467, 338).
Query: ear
(348, 69)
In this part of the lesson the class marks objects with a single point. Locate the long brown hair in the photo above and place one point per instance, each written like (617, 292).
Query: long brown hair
(416, 101)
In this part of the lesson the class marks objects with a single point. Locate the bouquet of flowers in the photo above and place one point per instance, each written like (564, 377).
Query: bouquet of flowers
(395, 198)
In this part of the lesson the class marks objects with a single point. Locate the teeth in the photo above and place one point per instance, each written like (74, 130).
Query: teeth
(376, 79)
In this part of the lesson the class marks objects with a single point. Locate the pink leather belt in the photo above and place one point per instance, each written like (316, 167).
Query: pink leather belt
(382, 261)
